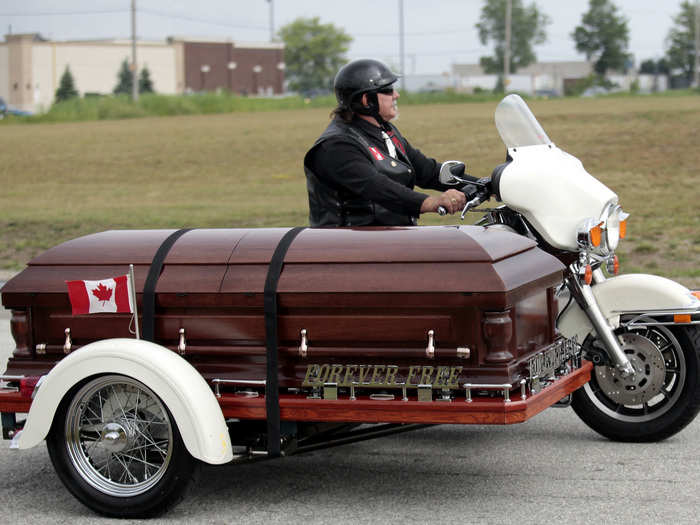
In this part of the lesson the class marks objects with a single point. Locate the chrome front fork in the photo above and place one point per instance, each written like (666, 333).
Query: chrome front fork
(584, 297)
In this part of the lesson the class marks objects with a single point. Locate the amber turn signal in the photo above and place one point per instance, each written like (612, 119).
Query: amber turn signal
(597, 234)
(616, 265)
(588, 275)
(623, 228)
(681, 318)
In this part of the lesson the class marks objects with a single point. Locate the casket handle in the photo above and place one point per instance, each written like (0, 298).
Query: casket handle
(303, 345)
(182, 344)
(430, 349)
(68, 343)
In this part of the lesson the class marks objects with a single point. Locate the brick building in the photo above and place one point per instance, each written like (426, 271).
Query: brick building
(31, 67)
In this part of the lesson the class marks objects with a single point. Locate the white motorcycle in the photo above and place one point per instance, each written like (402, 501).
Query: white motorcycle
(642, 332)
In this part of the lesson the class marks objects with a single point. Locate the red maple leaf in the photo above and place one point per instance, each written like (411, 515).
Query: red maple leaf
(102, 293)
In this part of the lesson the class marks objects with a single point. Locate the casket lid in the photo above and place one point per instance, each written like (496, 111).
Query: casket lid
(313, 245)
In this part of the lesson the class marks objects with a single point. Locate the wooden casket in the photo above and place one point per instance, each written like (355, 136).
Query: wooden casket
(373, 324)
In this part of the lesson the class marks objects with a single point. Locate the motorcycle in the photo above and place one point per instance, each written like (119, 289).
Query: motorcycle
(642, 332)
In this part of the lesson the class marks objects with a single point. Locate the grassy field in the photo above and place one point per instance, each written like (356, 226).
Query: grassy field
(244, 169)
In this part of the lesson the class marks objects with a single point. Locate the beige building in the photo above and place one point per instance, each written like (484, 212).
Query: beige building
(31, 67)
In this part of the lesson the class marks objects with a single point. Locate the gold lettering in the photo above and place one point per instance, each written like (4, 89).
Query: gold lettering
(454, 376)
(312, 372)
(443, 373)
(322, 375)
(376, 375)
(349, 369)
(412, 372)
(391, 371)
(364, 373)
(334, 376)
(425, 377)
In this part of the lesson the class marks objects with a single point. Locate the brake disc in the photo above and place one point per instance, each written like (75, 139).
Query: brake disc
(649, 376)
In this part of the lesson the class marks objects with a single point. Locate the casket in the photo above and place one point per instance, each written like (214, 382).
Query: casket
(376, 316)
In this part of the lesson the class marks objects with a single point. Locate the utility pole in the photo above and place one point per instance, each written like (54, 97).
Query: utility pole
(506, 51)
(401, 47)
(134, 67)
(697, 44)
(272, 20)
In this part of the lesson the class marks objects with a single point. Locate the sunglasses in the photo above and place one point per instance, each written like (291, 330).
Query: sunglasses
(386, 91)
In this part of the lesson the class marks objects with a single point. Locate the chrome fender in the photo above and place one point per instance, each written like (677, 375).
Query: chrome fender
(632, 293)
(181, 388)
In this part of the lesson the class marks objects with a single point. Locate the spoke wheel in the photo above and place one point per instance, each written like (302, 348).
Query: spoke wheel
(119, 436)
(658, 400)
(115, 446)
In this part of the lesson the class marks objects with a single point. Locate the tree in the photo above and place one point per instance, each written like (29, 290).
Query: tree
(681, 41)
(527, 29)
(124, 79)
(145, 82)
(313, 53)
(654, 67)
(66, 88)
(603, 36)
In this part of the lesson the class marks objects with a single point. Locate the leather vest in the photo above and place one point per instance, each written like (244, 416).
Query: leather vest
(336, 206)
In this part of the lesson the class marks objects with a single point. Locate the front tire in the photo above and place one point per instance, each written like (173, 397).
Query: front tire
(659, 401)
(116, 447)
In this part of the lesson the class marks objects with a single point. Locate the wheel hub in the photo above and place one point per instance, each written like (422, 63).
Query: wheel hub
(649, 376)
(114, 437)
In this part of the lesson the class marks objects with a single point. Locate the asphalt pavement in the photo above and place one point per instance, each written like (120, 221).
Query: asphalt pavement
(549, 469)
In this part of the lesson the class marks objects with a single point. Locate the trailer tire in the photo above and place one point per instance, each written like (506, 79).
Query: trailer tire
(115, 446)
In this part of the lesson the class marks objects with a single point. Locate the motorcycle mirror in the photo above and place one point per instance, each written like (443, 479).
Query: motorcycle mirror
(451, 173)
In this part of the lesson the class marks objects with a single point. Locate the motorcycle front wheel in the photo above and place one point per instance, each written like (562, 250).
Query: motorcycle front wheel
(116, 447)
(660, 399)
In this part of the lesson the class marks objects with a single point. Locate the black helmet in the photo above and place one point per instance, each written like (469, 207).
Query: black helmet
(358, 77)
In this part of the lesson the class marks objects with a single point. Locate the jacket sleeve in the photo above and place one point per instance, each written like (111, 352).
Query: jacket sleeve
(344, 165)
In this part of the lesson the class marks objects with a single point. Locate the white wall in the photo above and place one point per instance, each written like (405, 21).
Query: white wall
(95, 67)
(4, 72)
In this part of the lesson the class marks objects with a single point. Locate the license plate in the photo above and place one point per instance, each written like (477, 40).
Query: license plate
(552, 358)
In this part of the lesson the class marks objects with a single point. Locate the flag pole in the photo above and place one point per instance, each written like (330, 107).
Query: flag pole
(132, 300)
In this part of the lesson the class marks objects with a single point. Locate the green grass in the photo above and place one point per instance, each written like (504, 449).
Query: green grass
(244, 169)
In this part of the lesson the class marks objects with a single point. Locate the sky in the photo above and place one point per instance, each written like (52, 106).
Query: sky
(438, 33)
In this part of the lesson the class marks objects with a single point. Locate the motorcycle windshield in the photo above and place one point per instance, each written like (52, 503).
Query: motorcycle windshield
(516, 124)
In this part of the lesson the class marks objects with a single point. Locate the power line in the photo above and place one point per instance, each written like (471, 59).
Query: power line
(200, 20)
(68, 13)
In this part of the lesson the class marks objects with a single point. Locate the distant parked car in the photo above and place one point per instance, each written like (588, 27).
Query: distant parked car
(7, 110)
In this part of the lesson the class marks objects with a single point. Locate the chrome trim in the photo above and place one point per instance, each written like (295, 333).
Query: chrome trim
(505, 387)
(584, 296)
(236, 382)
(41, 348)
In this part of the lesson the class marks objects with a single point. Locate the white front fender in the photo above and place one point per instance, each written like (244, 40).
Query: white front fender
(632, 293)
(179, 386)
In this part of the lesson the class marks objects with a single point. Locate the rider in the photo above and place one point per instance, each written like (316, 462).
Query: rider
(361, 171)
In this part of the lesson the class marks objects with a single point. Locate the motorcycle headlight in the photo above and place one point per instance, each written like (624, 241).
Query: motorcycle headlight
(615, 227)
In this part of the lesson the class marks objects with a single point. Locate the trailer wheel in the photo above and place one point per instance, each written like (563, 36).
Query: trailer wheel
(661, 398)
(116, 447)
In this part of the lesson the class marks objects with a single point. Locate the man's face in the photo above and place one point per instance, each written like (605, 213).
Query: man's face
(388, 107)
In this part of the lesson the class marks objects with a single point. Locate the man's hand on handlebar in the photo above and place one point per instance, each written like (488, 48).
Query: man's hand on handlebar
(452, 201)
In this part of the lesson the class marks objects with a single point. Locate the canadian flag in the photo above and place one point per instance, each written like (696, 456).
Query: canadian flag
(93, 297)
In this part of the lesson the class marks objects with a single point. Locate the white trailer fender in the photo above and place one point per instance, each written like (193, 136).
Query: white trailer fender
(632, 293)
(181, 388)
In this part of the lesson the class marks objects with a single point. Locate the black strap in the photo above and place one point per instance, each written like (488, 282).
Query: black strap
(148, 301)
(272, 394)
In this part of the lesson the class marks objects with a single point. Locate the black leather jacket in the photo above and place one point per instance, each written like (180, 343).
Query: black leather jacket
(352, 180)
